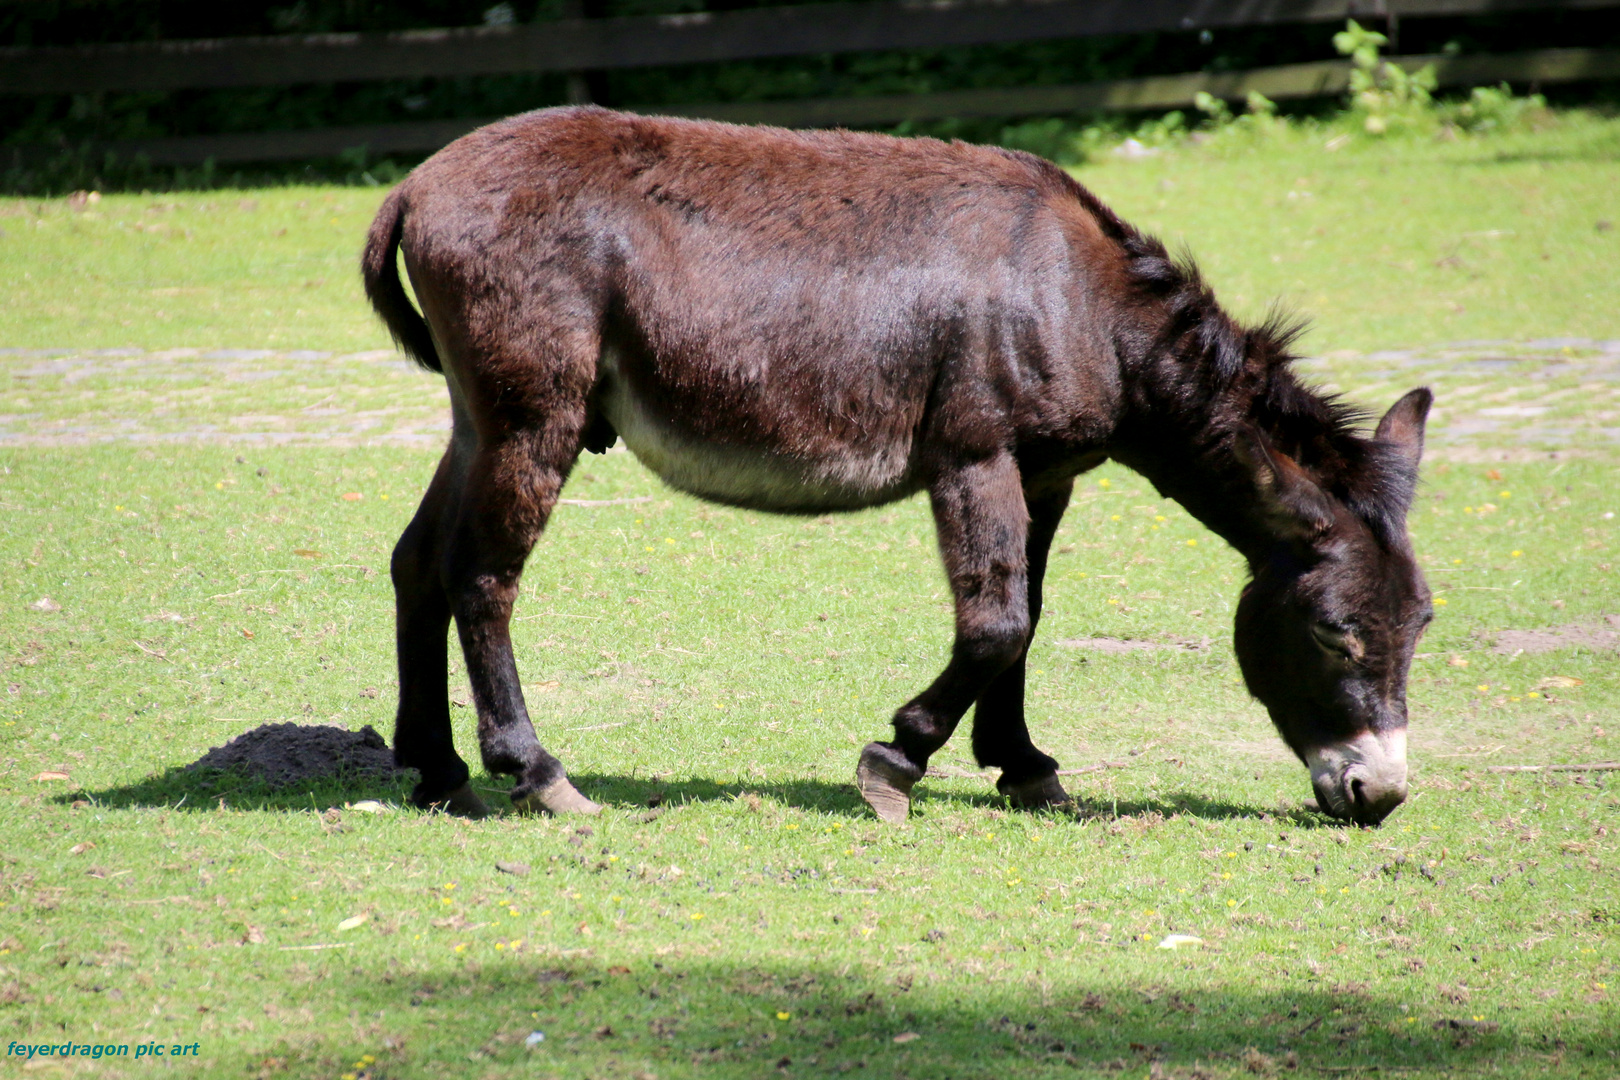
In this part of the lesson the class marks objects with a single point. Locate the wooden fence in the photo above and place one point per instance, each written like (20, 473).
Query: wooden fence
(573, 45)
(1290, 81)
(578, 44)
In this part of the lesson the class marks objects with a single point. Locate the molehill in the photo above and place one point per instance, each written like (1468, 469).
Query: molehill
(286, 755)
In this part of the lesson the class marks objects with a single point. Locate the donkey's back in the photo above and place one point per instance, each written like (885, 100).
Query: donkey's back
(792, 321)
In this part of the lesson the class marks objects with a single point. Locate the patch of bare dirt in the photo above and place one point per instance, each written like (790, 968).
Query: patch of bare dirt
(288, 755)
(1118, 646)
(1599, 637)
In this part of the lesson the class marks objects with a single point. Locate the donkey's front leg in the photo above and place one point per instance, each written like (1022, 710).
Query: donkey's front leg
(982, 523)
(509, 494)
(1000, 733)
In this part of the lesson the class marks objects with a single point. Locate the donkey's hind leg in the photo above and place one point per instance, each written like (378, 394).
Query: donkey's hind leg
(1000, 733)
(422, 736)
(512, 485)
(981, 519)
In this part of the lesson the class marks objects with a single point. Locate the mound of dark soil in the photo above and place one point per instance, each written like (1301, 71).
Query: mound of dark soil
(287, 755)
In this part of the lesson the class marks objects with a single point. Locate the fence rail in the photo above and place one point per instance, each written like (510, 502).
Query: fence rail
(578, 44)
(1156, 92)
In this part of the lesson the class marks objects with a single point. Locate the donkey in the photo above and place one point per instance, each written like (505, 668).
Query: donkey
(805, 322)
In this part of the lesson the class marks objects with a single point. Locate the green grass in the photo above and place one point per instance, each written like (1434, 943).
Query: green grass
(725, 693)
(728, 666)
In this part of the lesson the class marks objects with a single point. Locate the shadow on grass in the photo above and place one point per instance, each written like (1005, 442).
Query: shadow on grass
(211, 789)
(1605, 153)
(916, 1009)
(842, 799)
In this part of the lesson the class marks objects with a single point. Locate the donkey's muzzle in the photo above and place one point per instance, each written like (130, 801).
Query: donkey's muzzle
(1362, 780)
(1368, 799)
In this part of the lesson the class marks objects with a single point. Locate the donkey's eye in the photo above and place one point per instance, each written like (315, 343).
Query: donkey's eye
(1334, 640)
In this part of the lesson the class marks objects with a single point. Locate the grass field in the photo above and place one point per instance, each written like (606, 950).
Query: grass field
(208, 510)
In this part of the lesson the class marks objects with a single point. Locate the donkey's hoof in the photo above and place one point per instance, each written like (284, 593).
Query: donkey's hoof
(557, 797)
(1041, 793)
(462, 802)
(884, 785)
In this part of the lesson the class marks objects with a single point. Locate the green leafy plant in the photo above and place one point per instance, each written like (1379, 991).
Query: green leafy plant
(1384, 95)
(1258, 118)
(1495, 108)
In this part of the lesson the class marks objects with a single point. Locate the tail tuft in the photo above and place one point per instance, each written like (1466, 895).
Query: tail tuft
(379, 269)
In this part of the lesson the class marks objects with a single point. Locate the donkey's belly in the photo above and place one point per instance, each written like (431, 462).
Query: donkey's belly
(762, 476)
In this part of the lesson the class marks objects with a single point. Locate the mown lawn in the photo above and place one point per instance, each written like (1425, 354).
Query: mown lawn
(711, 675)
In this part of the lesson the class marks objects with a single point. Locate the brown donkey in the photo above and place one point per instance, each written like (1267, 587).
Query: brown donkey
(805, 322)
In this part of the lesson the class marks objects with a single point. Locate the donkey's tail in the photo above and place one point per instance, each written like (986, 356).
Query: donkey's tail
(379, 269)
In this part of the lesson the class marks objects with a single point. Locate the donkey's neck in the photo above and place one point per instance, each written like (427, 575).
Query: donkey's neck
(1185, 407)
(1197, 468)
(1194, 380)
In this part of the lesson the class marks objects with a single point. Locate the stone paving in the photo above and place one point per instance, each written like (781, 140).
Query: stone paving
(240, 396)
(1495, 399)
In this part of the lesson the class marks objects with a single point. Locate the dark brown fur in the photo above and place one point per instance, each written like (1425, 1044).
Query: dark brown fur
(814, 321)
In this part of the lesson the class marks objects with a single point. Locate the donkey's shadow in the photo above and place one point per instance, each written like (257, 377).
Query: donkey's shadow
(929, 797)
(206, 790)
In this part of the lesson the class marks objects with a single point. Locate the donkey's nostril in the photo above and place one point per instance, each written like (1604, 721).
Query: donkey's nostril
(1358, 793)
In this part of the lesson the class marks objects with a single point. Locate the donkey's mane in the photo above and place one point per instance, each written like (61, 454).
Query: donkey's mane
(1227, 376)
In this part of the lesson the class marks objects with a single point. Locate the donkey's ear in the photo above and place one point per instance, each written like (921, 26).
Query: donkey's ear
(1297, 507)
(1402, 426)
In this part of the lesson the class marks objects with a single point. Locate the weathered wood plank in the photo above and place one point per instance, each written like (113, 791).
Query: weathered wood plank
(573, 45)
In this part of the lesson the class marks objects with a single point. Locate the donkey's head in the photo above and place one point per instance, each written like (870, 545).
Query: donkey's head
(1326, 630)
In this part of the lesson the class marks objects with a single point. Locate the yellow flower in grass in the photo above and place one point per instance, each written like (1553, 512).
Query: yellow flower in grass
(1440, 601)
(784, 1016)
